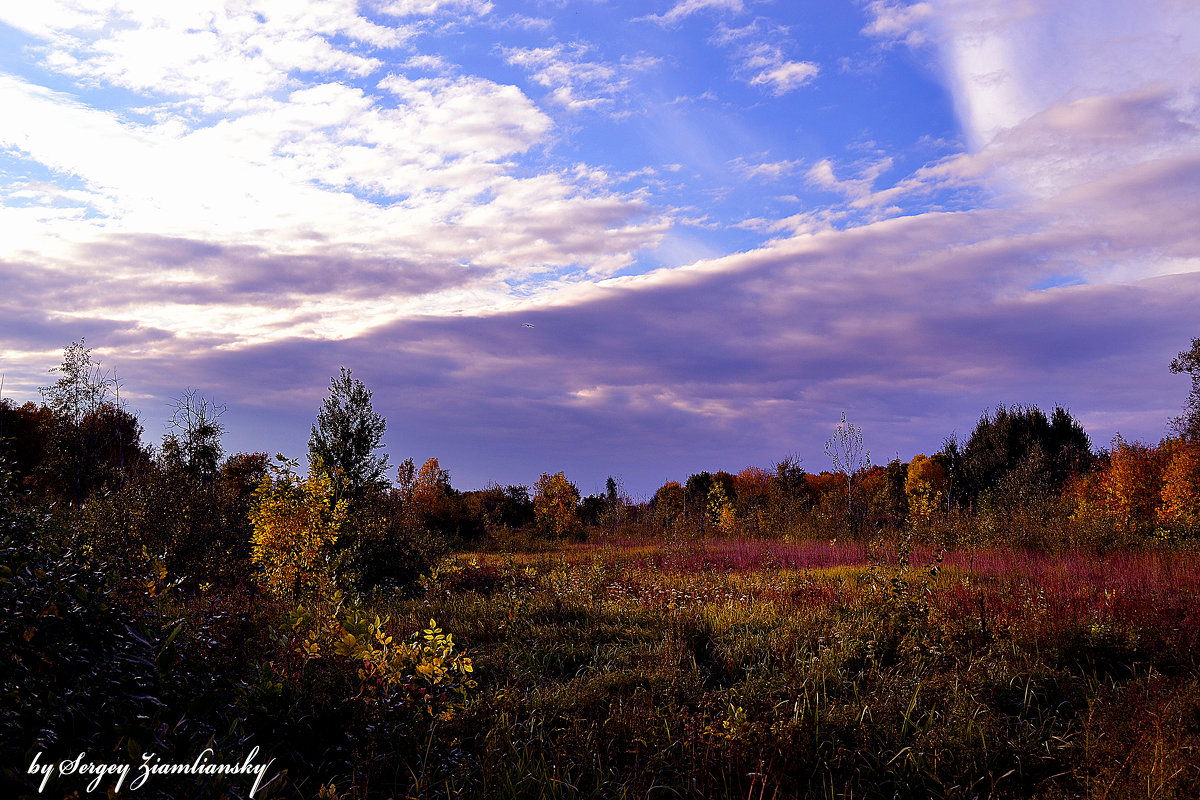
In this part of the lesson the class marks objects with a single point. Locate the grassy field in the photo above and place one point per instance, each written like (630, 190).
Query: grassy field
(746, 669)
(676, 666)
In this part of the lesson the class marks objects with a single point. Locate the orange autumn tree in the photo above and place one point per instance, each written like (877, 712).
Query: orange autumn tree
(427, 496)
(1131, 489)
(1179, 509)
(754, 488)
(296, 523)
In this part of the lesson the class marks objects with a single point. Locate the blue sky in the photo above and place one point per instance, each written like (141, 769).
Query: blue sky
(727, 221)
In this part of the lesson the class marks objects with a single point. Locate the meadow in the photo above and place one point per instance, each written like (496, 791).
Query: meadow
(734, 668)
(630, 665)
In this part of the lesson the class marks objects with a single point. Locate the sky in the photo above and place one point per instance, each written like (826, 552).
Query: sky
(639, 239)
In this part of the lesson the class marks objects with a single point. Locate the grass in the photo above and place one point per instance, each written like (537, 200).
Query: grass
(817, 669)
(636, 668)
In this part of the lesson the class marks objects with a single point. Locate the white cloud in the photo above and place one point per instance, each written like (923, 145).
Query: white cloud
(575, 82)
(686, 8)
(1005, 63)
(890, 19)
(857, 189)
(427, 8)
(780, 75)
(213, 55)
(767, 170)
(760, 58)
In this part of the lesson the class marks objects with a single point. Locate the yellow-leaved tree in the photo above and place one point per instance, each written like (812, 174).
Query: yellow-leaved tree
(926, 485)
(556, 507)
(296, 522)
(669, 503)
(721, 511)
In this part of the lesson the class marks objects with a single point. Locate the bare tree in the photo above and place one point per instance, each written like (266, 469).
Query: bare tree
(845, 449)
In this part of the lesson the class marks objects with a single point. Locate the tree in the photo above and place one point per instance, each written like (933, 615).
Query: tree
(433, 504)
(885, 500)
(952, 458)
(720, 508)
(345, 437)
(1131, 490)
(1179, 511)
(613, 512)
(238, 478)
(23, 433)
(1054, 448)
(556, 507)
(754, 489)
(790, 494)
(194, 438)
(926, 485)
(668, 504)
(501, 506)
(92, 436)
(296, 523)
(1187, 424)
(695, 491)
(845, 449)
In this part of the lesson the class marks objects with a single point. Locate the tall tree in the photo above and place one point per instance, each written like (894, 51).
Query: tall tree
(1187, 424)
(926, 484)
(346, 435)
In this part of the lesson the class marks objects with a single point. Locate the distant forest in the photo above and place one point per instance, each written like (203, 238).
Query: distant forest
(1023, 477)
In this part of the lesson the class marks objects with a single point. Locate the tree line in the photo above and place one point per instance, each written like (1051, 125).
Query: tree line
(1023, 476)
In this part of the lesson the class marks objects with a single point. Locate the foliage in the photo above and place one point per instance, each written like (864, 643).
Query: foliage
(754, 489)
(296, 523)
(90, 438)
(721, 511)
(500, 507)
(668, 504)
(346, 435)
(790, 496)
(1048, 450)
(1131, 487)
(24, 431)
(194, 441)
(696, 495)
(200, 528)
(615, 503)
(884, 495)
(1179, 511)
(926, 486)
(380, 549)
(555, 507)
